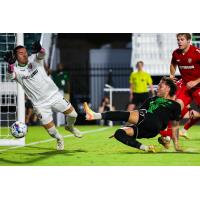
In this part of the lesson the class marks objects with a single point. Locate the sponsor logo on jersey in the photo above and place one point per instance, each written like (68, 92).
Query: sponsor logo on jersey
(189, 60)
(186, 67)
(30, 76)
(178, 60)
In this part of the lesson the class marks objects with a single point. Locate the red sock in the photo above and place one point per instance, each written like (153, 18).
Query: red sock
(167, 132)
(190, 123)
(184, 111)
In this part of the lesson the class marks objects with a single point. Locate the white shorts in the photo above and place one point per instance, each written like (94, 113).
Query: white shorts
(55, 104)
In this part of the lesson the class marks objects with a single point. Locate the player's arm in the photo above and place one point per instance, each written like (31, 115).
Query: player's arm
(173, 67)
(192, 84)
(150, 83)
(172, 71)
(131, 92)
(175, 135)
(10, 59)
(131, 87)
(38, 50)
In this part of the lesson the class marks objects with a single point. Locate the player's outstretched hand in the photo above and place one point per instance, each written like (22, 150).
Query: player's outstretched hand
(36, 47)
(178, 149)
(10, 57)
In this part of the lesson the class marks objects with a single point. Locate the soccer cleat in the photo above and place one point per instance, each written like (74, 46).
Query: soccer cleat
(184, 134)
(151, 148)
(74, 131)
(88, 111)
(60, 144)
(165, 143)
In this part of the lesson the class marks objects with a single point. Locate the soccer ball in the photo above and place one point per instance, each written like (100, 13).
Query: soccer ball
(18, 129)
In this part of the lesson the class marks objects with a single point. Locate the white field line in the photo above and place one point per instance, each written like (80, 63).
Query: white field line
(52, 139)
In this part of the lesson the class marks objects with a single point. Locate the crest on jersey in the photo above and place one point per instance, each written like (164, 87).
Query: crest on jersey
(189, 60)
(178, 60)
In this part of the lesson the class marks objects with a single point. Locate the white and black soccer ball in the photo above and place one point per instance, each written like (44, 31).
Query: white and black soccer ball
(18, 129)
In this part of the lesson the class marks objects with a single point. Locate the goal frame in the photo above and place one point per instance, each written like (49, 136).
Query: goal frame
(20, 105)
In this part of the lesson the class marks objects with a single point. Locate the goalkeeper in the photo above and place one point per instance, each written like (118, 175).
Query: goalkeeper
(146, 122)
(30, 73)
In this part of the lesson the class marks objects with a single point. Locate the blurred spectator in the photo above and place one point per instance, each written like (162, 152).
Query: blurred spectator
(61, 79)
(130, 107)
(139, 81)
(105, 106)
(30, 116)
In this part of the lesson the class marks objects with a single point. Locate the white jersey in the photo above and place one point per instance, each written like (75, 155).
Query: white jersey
(33, 78)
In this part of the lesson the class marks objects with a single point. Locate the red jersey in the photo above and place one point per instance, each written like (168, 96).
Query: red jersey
(188, 63)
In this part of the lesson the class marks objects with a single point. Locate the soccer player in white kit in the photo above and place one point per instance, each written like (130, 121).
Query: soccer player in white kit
(41, 90)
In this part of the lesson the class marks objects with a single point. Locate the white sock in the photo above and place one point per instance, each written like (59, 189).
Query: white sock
(53, 132)
(144, 147)
(71, 118)
(97, 115)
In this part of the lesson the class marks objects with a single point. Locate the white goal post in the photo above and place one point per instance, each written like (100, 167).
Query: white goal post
(11, 94)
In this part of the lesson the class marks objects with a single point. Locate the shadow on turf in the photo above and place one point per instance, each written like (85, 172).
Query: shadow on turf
(160, 152)
(37, 156)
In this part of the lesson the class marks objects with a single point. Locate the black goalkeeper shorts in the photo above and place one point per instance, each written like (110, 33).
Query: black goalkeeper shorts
(148, 126)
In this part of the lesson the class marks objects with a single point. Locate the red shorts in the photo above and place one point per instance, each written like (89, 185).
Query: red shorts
(187, 96)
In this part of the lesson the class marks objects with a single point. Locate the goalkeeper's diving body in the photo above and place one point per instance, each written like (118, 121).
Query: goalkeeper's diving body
(30, 73)
(146, 122)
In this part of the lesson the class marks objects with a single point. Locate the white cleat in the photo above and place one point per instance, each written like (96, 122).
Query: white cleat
(60, 144)
(74, 131)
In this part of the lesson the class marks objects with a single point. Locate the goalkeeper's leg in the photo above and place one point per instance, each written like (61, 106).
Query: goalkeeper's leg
(71, 116)
(53, 132)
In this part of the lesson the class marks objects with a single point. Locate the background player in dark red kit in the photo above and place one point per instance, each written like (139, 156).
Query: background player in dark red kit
(187, 58)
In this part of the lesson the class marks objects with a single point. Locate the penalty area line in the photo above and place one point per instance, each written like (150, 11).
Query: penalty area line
(52, 139)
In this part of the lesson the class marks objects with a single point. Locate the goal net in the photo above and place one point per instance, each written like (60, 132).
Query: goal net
(12, 107)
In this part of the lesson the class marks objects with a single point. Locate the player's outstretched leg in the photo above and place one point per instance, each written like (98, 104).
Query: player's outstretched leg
(121, 136)
(187, 126)
(70, 121)
(90, 114)
(110, 115)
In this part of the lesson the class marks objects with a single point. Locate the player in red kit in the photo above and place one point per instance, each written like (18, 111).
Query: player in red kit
(187, 58)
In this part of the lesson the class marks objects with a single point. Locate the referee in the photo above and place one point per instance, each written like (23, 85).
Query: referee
(139, 81)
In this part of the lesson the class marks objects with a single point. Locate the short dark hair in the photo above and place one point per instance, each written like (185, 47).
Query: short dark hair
(169, 82)
(17, 48)
(187, 35)
(139, 62)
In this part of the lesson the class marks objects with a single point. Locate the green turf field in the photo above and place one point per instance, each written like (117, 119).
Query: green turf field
(95, 149)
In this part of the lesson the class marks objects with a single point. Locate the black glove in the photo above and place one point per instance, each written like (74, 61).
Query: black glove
(36, 47)
(10, 57)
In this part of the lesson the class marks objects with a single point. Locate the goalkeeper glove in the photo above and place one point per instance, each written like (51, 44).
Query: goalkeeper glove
(10, 57)
(36, 47)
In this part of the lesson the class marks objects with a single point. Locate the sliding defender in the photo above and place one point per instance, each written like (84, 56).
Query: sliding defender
(146, 122)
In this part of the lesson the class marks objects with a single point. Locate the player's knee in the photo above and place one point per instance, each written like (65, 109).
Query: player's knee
(73, 114)
(119, 134)
(49, 125)
(52, 131)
